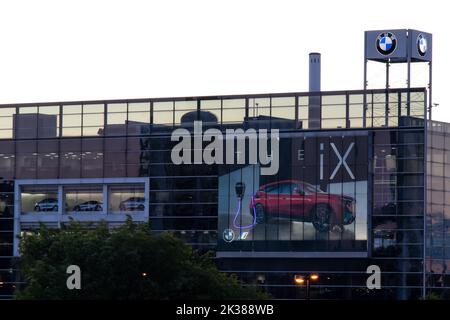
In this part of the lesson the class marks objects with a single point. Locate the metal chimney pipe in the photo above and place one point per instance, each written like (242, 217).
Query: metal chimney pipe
(314, 72)
(314, 107)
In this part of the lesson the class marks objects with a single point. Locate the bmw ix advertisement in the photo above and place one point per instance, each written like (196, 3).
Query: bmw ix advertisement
(316, 202)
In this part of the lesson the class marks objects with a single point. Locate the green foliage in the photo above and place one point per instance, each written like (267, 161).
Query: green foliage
(127, 263)
(433, 296)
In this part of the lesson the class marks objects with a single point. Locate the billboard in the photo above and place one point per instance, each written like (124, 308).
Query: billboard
(317, 202)
(421, 45)
(397, 45)
(381, 45)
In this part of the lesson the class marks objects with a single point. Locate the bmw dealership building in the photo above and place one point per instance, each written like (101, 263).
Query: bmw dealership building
(278, 185)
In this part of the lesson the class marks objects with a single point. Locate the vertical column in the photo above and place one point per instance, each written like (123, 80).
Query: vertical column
(106, 133)
(246, 113)
(105, 206)
(147, 199)
(408, 81)
(17, 211)
(61, 204)
(59, 138)
(347, 111)
(425, 200)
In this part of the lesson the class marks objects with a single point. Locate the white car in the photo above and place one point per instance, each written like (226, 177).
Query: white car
(48, 204)
(92, 205)
(133, 204)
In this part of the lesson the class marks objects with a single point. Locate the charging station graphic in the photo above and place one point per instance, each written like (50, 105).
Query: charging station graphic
(240, 191)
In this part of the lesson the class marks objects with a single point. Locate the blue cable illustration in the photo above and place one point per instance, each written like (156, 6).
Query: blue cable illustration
(240, 190)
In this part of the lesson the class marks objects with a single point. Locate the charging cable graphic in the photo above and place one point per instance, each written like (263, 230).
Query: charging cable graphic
(240, 191)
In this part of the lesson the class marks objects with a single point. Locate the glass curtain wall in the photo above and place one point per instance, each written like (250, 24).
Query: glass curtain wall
(438, 211)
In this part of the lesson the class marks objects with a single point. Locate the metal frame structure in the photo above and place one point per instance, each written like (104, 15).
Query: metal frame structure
(427, 114)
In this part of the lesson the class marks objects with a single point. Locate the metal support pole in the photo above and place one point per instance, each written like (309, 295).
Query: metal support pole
(307, 289)
(408, 94)
(387, 73)
(364, 95)
(430, 89)
(386, 112)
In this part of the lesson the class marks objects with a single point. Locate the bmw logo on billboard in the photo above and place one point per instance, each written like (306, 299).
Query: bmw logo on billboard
(386, 43)
(228, 235)
(421, 45)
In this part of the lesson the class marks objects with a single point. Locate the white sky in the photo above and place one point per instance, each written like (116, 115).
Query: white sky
(56, 50)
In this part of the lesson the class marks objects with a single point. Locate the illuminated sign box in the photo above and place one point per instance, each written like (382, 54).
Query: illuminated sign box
(316, 204)
(398, 45)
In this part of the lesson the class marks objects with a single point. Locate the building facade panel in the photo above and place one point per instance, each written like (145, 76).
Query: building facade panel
(91, 160)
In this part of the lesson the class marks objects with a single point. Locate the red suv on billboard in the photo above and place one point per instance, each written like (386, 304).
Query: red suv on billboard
(302, 201)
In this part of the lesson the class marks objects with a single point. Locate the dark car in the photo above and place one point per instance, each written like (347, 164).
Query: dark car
(92, 205)
(302, 201)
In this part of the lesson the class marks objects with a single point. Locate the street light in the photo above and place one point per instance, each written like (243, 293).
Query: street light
(314, 276)
(301, 279)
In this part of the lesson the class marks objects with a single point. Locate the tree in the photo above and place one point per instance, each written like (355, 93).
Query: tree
(128, 262)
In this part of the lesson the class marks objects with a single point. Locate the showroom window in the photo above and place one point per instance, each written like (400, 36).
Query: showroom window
(83, 198)
(125, 198)
(39, 199)
(88, 196)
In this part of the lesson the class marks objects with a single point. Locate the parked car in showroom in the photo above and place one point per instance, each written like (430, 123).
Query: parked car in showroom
(133, 204)
(301, 201)
(47, 204)
(92, 205)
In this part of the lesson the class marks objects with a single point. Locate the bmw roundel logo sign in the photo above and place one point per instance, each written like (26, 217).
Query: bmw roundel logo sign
(228, 235)
(386, 43)
(422, 45)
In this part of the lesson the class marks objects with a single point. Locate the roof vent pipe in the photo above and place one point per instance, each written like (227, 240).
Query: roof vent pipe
(314, 107)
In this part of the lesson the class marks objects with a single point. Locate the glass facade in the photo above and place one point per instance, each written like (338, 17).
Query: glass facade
(398, 208)
(438, 210)
(8, 274)
(128, 139)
